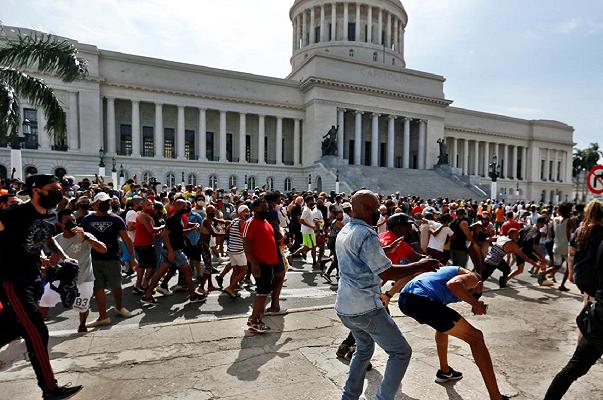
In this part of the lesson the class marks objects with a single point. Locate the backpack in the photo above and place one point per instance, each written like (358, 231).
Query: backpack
(66, 273)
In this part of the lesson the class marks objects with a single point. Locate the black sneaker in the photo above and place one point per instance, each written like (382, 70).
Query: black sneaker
(149, 301)
(342, 350)
(137, 291)
(63, 392)
(451, 375)
(502, 282)
(220, 281)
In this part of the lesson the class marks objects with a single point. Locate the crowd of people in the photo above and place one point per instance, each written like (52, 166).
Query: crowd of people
(434, 251)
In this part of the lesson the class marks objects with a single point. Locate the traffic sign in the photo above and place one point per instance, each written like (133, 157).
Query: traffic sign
(594, 181)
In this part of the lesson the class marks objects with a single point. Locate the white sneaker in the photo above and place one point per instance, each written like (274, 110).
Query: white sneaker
(124, 312)
(547, 282)
(163, 291)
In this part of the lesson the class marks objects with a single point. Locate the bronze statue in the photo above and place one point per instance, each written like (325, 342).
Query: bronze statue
(443, 157)
(329, 142)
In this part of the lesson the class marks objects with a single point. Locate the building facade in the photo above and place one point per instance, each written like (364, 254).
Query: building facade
(187, 123)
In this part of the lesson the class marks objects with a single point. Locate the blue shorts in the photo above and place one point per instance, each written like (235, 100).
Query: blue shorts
(180, 259)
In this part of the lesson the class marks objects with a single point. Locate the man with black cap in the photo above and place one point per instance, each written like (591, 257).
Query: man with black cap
(25, 230)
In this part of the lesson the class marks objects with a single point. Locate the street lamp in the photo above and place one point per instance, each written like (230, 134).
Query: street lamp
(517, 190)
(309, 182)
(182, 184)
(114, 173)
(494, 174)
(337, 182)
(101, 162)
(16, 140)
(122, 178)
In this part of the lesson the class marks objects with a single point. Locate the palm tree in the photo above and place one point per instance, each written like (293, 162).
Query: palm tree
(38, 53)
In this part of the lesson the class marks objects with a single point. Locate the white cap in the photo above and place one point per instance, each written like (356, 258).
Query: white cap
(102, 196)
(346, 205)
(242, 208)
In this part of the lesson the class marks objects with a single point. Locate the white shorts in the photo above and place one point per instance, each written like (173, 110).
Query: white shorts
(50, 298)
(212, 241)
(238, 259)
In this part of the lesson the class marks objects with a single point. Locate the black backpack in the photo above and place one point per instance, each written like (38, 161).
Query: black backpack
(66, 273)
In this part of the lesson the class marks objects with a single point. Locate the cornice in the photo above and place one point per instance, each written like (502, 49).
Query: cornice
(311, 82)
(538, 122)
(503, 135)
(382, 111)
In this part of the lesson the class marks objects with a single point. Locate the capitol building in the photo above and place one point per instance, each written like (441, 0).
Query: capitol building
(200, 125)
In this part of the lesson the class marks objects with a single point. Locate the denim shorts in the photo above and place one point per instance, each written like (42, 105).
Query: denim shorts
(180, 259)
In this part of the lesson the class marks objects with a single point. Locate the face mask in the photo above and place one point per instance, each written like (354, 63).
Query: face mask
(115, 208)
(68, 226)
(262, 215)
(104, 207)
(246, 217)
(375, 218)
(85, 207)
(51, 199)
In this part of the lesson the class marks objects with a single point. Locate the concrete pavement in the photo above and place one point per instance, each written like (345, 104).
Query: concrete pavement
(530, 332)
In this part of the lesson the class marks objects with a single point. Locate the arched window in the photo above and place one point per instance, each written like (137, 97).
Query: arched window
(3, 172)
(192, 179)
(319, 184)
(170, 179)
(146, 176)
(270, 183)
(351, 53)
(375, 56)
(31, 170)
(60, 172)
(232, 181)
(251, 183)
(213, 181)
(287, 184)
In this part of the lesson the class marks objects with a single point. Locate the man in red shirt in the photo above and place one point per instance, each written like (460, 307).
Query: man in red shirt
(510, 223)
(260, 249)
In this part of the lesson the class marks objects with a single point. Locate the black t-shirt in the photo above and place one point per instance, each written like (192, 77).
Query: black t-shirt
(528, 238)
(587, 273)
(107, 230)
(175, 227)
(459, 240)
(296, 212)
(24, 235)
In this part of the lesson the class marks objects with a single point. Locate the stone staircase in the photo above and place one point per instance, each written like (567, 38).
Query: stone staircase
(441, 182)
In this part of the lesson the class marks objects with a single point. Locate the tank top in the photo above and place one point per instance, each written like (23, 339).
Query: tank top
(560, 230)
(459, 241)
(142, 237)
(497, 253)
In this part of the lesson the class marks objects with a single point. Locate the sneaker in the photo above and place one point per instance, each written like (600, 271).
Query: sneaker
(342, 350)
(163, 291)
(63, 392)
(99, 322)
(350, 353)
(137, 291)
(257, 327)
(502, 282)
(180, 288)
(263, 325)
(563, 289)
(197, 299)
(451, 375)
(149, 301)
(124, 312)
(220, 281)
(547, 282)
(326, 277)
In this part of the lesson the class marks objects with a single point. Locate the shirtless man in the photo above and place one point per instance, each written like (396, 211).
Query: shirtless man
(207, 230)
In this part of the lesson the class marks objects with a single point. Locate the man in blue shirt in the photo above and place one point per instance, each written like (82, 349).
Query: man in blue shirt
(425, 299)
(362, 266)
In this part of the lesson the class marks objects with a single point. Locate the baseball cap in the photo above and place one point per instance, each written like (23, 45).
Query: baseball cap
(400, 219)
(37, 181)
(242, 208)
(346, 205)
(102, 196)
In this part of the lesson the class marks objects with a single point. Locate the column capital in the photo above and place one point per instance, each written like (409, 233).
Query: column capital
(391, 116)
(341, 109)
(407, 119)
(358, 112)
(135, 101)
(202, 108)
(158, 105)
(375, 115)
(110, 98)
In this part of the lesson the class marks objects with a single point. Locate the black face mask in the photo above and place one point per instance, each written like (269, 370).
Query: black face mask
(85, 207)
(68, 226)
(375, 218)
(51, 199)
(104, 207)
(115, 208)
(262, 215)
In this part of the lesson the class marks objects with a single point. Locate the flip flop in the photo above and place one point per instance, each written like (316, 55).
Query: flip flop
(282, 311)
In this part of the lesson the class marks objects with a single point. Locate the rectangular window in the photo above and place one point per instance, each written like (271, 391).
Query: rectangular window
(168, 143)
(148, 141)
(248, 148)
(189, 144)
(209, 150)
(518, 172)
(265, 148)
(351, 152)
(330, 32)
(367, 153)
(366, 33)
(30, 128)
(542, 165)
(383, 155)
(551, 166)
(125, 140)
(559, 171)
(317, 34)
(351, 31)
(229, 147)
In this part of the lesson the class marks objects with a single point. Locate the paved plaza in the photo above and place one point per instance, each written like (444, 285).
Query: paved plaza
(201, 353)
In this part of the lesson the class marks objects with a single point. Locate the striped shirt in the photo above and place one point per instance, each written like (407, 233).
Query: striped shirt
(497, 253)
(235, 240)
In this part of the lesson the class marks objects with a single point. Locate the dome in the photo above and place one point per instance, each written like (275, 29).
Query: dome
(368, 31)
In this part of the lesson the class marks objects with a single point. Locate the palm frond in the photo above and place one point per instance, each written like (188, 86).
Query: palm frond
(46, 53)
(10, 111)
(39, 95)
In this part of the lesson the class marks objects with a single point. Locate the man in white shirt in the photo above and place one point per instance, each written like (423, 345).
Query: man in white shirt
(309, 226)
(440, 232)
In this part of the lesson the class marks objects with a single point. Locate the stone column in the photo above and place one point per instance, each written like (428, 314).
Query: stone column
(261, 135)
(524, 163)
(476, 158)
(358, 7)
(505, 165)
(279, 141)
(44, 139)
(223, 136)
(296, 141)
(553, 157)
(242, 137)
(369, 30)
(158, 131)
(298, 44)
(375, 141)
(486, 154)
(73, 136)
(304, 28)
(401, 47)
(180, 134)
(312, 25)
(406, 144)
(346, 17)
(202, 142)
(111, 137)
(465, 157)
(453, 152)
(334, 22)
(514, 164)
(396, 36)
(358, 139)
(294, 26)
(391, 140)
(341, 132)
(135, 128)
(422, 134)
(496, 153)
(323, 36)
(388, 34)
(380, 26)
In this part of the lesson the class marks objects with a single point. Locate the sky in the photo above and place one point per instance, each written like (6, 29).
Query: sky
(538, 59)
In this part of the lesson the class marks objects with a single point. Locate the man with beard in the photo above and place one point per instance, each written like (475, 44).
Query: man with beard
(24, 230)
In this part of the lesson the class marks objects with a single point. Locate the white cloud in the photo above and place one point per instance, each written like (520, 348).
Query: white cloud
(579, 25)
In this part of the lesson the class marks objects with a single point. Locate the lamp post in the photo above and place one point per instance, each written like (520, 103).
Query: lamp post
(246, 187)
(114, 173)
(494, 169)
(182, 181)
(337, 182)
(101, 163)
(16, 140)
(122, 178)
(309, 182)
(517, 191)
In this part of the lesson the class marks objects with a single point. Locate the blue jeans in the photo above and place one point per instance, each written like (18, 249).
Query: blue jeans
(376, 327)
